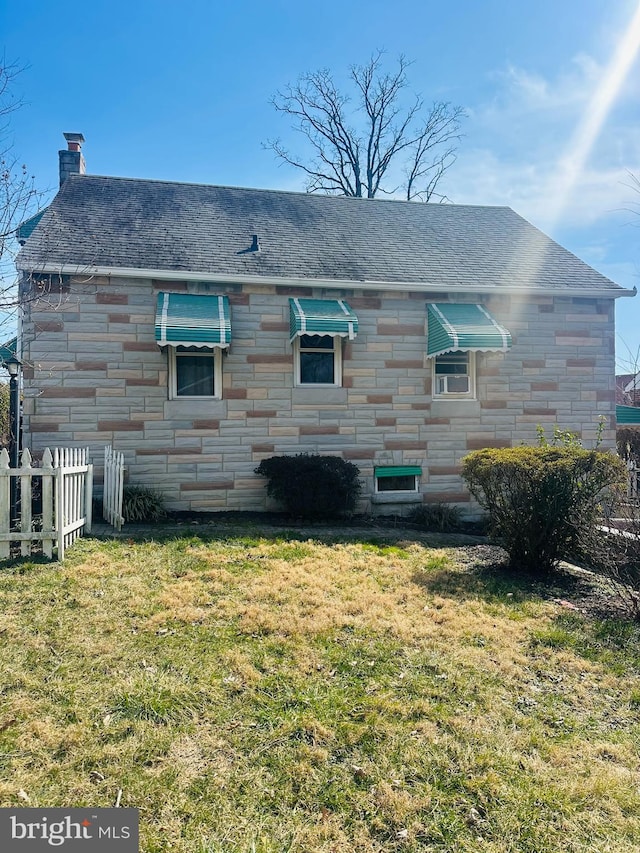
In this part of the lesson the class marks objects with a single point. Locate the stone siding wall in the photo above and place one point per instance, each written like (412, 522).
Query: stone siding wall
(94, 376)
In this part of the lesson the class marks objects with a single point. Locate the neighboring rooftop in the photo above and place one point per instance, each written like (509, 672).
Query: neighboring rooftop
(628, 389)
(121, 223)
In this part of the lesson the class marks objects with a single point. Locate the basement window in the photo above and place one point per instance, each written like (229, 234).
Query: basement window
(404, 478)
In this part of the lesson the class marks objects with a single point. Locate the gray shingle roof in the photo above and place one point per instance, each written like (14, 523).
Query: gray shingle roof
(109, 222)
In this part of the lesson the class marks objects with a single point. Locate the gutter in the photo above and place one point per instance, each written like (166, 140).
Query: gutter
(336, 284)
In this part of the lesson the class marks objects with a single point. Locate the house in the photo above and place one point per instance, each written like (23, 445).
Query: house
(200, 329)
(628, 389)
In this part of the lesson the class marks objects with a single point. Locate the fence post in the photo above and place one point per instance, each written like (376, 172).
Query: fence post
(88, 493)
(26, 494)
(5, 509)
(106, 489)
(47, 503)
(59, 487)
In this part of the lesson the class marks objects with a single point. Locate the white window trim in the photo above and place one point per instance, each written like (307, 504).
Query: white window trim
(466, 395)
(217, 375)
(337, 362)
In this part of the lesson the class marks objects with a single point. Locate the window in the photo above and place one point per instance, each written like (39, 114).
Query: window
(397, 479)
(454, 375)
(402, 483)
(318, 360)
(195, 372)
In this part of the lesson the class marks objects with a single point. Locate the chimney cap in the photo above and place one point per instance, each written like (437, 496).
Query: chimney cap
(74, 141)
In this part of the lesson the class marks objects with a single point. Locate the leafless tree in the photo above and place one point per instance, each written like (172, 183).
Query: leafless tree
(18, 195)
(378, 141)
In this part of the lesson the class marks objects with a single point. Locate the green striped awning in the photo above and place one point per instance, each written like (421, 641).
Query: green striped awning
(8, 350)
(399, 471)
(322, 317)
(193, 320)
(628, 415)
(463, 327)
(26, 228)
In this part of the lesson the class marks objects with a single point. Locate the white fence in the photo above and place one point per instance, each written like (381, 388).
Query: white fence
(66, 492)
(113, 487)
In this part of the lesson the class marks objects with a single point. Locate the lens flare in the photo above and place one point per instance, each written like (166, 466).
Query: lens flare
(573, 162)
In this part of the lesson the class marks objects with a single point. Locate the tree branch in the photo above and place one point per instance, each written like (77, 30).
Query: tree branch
(355, 154)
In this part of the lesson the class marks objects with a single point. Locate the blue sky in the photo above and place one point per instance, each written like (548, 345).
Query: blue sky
(181, 92)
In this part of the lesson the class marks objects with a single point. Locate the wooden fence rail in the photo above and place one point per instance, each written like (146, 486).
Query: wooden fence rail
(113, 487)
(66, 493)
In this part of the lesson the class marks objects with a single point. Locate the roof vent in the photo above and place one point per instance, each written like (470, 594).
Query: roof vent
(254, 247)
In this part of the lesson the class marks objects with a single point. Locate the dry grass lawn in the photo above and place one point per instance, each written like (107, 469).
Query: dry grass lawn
(260, 693)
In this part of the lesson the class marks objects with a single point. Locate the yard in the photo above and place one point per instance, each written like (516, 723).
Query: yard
(264, 692)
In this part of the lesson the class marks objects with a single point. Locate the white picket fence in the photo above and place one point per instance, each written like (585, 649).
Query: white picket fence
(113, 487)
(67, 492)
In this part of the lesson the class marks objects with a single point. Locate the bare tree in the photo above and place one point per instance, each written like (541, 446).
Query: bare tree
(379, 142)
(18, 196)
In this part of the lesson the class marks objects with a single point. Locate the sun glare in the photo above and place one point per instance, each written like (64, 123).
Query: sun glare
(581, 144)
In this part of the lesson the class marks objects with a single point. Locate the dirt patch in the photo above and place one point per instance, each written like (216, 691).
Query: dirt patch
(285, 520)
(570, 587)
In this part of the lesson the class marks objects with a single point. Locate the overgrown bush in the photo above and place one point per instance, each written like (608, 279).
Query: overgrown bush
(628, 443)
(616, 556)
(312, 486)
(613, 551)
(543, 502)
(142, 504)
(438, 516)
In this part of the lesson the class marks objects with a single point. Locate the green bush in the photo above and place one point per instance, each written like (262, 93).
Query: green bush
(312, 486)
(441, 517)
(142, 504)
(543, 502)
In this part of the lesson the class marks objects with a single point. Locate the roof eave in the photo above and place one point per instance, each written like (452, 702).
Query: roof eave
(330, 283)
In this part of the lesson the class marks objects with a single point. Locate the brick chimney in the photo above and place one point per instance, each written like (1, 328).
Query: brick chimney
(71, 160)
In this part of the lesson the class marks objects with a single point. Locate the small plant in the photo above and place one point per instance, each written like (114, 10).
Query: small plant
(567, 438)
(438, 516)
(560, 438)
(312, 486)
(142, 504)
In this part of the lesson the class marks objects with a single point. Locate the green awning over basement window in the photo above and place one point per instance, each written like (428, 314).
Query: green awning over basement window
(463, 327)
(399, 471)
(193, 320)
(628, 415)
(8, 350)
(322, 317)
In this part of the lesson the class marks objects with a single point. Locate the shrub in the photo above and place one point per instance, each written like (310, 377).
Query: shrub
(628, 443)
(543, 502)
(311, 485)
(142, 504)
(615, 554)
(441, 517)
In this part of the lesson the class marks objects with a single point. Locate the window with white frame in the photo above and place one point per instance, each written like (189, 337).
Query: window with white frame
(454, 375)
(318, 360)
(391, 479)
(195, 372)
